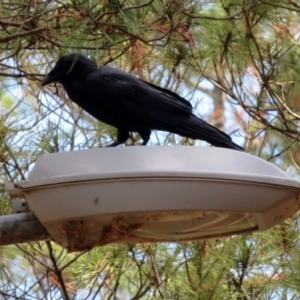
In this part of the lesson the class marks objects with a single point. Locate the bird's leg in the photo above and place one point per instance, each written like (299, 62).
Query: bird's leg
(114, 144)
(121, 139)
(145, 135)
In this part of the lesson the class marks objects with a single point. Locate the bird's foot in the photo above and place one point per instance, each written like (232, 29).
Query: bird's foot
(114, 144)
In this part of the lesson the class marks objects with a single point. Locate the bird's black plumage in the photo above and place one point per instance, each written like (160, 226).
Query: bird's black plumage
(130, 104)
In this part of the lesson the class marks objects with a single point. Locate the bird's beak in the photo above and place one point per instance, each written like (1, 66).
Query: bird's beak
(53, 75)
(48, 79)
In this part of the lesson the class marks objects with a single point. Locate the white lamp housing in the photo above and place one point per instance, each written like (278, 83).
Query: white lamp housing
(151, 194)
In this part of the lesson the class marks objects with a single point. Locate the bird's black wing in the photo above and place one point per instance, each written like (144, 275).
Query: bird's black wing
(124, 92)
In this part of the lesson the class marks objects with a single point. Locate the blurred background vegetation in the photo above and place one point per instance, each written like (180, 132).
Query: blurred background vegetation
(235, 60)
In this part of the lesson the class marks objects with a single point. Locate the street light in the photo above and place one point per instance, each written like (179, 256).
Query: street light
(151, 194)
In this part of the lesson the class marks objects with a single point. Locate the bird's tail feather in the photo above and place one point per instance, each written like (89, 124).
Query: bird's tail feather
(195, 128)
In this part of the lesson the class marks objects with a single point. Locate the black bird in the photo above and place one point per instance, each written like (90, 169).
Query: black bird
(130, 104)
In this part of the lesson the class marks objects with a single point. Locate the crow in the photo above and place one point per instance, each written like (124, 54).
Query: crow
(130, 104)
